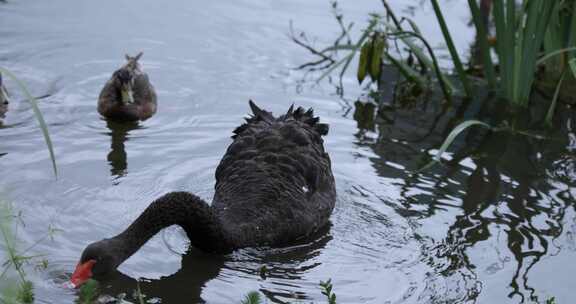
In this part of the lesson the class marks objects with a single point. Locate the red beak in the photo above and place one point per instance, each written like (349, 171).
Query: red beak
(82, 273)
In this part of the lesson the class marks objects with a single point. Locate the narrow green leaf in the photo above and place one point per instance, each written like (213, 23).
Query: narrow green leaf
(38, 115)
(252, 297)
(548, 56)
(348, 58)
(572, 64)
(552, 108)
(429, 63)
(378, 45)
(482, 33)
(454, 133)
(453, 53)
(407, 71)
(334, 66)
(365, 54)
(340, 47)
(451, 137)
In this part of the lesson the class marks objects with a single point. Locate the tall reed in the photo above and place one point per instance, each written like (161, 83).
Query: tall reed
(37, 113)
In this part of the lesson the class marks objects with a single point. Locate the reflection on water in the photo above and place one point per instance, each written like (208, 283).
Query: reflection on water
(117, 157)
(495, 224)
(184, 286)
(512, 191)
(198, 268)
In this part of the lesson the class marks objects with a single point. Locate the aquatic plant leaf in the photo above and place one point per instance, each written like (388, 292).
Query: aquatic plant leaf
(340, 47)
(483, 43)
(557, 93)
(347, 59)
(453, 53)
(252, 297)
(572, 64)
(451, 137)
(38, 115)
(26, 292)
(88, 292)
(378, 45)
(407, 71)
(555, 53)
(365, 54)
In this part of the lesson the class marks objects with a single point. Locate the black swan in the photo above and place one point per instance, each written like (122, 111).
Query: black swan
(128, 95)
(274, 186)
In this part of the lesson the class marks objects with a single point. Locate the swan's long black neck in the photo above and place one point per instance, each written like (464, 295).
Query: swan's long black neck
(175, 208)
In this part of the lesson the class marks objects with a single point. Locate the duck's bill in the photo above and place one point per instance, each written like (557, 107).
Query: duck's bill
(82, 273)
(127, 94)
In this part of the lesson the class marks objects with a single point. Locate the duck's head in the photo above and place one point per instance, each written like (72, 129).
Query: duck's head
(124, 78)
(98, 259)
(3, 93)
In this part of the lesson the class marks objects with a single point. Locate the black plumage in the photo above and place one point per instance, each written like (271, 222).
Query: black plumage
(274, 185)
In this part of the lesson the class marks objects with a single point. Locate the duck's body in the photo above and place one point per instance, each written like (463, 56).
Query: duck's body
(274, 185)
(128, 95)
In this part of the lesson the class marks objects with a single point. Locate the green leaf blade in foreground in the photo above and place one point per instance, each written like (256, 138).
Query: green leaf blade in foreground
(451, 137)
(364, 61)
(454, 133)
(348, 58)
(378, 45)
(252, 297)
(483, 43)
(38, 115)
(552, 108)
(453, 53)
(572, 64)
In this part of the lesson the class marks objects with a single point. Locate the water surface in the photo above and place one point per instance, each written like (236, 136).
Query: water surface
(497, 227)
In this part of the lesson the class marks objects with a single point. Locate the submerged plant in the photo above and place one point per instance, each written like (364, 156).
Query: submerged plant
(88, 292)
(327, 291)
(19, 289)
(252, 297)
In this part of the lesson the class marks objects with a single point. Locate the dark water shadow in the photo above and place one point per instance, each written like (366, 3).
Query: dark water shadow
(198, 268)
(505, 194)
(117, 157)
(184, 286)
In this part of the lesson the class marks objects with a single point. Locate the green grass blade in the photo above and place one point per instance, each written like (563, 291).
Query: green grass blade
(454, 133)
(571, 50)
(407, 71)
(445, 84)
(252, 297)
(482, 33)
(340, 47)
(555, 98)
(430, 64)
(538, 15)
(450, 43)
(572, 64)
(348, 58)
(450, 139)
(38, 115)
(501, 47)
(571, 31)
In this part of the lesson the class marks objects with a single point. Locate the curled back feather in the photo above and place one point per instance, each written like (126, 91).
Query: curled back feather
(304, 116)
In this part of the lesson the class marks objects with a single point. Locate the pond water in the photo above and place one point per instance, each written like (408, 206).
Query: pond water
(496, 226)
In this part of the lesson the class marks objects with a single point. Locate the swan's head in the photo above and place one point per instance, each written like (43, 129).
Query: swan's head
(3, 93)
(124, 78)
(98, 259)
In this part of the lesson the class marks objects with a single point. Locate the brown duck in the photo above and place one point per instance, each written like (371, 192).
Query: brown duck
(274, 186)
(128, 95)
